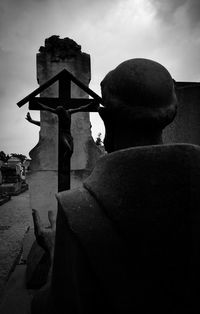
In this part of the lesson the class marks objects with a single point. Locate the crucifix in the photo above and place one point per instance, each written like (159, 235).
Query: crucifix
(63, 106)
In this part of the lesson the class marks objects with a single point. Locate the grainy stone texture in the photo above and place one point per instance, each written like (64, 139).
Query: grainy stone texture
(186, 127)
(140, 238)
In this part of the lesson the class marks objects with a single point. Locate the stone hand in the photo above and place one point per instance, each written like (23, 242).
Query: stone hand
(45, 237)
(28, 117)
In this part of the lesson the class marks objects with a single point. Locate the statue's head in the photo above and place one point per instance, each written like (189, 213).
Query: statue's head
(138, 95)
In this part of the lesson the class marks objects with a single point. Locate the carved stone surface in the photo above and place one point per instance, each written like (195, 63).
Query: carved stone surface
(60, 48)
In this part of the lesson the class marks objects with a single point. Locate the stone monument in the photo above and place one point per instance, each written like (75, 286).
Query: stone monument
(56, 55)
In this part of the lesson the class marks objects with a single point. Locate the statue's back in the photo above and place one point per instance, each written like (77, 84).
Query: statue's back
(137, 221)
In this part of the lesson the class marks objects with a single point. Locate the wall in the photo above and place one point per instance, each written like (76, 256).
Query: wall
(186, 126)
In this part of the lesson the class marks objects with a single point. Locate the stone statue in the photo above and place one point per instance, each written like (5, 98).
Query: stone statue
(128, 240)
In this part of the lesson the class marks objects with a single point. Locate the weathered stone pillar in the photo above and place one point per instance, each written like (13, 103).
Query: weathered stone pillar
(56, 55)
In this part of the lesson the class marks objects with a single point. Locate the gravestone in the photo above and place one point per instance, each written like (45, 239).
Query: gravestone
(56, 55)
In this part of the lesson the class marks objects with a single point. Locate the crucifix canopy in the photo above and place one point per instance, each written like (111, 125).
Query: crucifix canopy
(64, 79)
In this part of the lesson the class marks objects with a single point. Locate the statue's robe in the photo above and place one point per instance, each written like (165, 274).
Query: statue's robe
(128, 241)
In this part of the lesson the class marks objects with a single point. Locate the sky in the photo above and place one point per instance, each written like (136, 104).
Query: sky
(111, 31)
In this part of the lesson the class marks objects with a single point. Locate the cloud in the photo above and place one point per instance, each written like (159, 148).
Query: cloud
(24, 24)
(109, 30)
(168, 10)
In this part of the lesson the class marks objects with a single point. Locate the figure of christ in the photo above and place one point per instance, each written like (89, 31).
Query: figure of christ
(64, 119)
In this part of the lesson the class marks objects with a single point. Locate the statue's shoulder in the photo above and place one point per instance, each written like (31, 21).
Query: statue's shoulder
(119, 179)
(80, 208)
(124, 160)
(74, 200)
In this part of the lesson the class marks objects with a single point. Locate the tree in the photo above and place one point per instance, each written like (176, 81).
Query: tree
(20, 156)
(3, 156)
(98, 141)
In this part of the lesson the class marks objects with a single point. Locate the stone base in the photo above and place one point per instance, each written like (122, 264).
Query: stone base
(38, 265)
(43, 186)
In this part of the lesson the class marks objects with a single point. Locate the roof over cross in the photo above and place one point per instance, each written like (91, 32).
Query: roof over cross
(64, 79)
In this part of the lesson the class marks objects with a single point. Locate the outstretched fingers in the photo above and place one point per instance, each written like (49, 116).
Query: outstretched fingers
(52, 219)
(28, 117)
(38, 227)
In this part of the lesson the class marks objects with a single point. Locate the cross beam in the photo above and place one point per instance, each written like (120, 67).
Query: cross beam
(64, 78)
(53, 102)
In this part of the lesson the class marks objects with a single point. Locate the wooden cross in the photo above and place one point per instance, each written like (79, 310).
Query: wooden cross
(64, 79)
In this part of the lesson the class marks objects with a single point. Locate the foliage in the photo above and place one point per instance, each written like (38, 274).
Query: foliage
(98, 141)
(3, 156)
(20, 156)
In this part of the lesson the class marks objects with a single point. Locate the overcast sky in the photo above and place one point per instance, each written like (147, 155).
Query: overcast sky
(111, 31)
